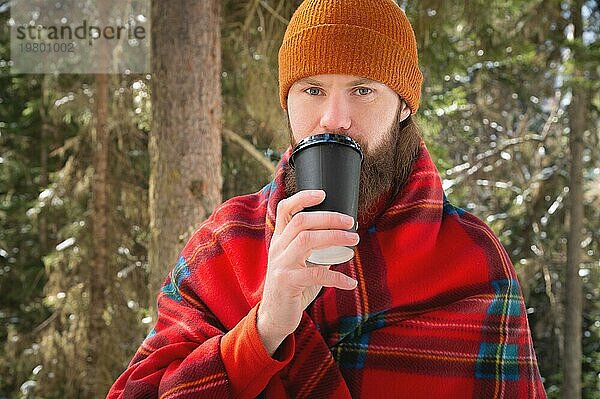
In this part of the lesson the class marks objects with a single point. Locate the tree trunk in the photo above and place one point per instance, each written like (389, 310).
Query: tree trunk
(43, 221)
(97, 274)
(185, 141)
(99, 268)
(574, 289)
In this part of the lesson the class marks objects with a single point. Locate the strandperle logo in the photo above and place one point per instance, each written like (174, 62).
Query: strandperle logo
(85, 31)
(80, 36)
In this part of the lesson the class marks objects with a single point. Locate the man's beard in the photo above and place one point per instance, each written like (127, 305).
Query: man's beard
(385, 169)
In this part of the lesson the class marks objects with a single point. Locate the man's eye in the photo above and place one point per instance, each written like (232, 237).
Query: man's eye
(313, 91)
(363, 91)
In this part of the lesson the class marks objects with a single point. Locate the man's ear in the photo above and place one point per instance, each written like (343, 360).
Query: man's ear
(405, 112)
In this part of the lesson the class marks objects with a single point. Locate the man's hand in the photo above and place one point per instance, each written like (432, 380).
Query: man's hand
(290, 284)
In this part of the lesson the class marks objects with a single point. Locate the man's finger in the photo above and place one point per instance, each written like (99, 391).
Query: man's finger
(322, 276)
(288, 207)
(318, 220)
(307, 240)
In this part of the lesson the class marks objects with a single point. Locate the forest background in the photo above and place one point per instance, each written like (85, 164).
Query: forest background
(94, 206)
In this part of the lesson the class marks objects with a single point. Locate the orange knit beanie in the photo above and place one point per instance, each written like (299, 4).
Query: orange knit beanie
(366, 38)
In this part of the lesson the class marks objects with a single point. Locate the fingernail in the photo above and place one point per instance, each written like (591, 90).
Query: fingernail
(318, 193)
(347, 220)
(353, 282)
(352, 235)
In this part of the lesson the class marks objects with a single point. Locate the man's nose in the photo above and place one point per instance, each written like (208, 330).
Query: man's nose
(335, 116)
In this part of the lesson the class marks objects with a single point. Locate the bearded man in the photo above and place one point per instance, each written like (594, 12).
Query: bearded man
(429, 307)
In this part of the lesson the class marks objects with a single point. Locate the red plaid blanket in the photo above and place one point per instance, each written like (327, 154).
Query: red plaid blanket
(437, 313)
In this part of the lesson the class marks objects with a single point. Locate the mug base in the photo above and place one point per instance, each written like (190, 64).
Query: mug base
(331, 255)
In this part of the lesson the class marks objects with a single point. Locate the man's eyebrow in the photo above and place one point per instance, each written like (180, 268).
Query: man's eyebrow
(356, 82)
(310, 81)
(361, 81)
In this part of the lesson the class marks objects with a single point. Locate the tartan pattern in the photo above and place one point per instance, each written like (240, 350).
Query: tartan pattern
(179, 272)
(437, 311)
(507, 298)
(497, 361)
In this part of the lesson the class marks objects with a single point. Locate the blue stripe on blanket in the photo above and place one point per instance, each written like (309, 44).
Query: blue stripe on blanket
(497, 361)
(178, 274)
(450, 209)
(355, 331)
(507, 300)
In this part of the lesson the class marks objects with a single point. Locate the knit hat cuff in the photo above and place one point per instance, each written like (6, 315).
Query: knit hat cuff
(349, 50)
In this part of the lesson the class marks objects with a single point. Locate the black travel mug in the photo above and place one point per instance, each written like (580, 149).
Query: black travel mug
(330, 162)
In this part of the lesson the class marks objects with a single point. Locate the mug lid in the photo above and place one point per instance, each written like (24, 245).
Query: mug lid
(324, 138)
